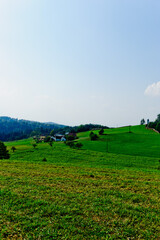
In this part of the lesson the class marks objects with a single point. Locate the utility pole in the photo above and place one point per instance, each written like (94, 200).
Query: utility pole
(107, 147)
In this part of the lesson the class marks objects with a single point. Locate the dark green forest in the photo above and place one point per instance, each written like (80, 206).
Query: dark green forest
(15, 129)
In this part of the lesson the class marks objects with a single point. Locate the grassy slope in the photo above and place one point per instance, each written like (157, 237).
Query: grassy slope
(141, 142)
(81, 194)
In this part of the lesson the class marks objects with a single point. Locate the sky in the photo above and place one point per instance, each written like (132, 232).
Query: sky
(80, 61)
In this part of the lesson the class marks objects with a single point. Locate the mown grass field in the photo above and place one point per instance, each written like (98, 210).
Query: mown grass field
(83, 194)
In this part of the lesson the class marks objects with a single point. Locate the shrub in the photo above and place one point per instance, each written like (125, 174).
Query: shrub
(70, 138)
(34, 145)
(158, 127)
(50, 143)
(13, 148)
(70, 144)
(47, 139)
(93, 136)
(78, 145)
(152, 125)
(101, 131)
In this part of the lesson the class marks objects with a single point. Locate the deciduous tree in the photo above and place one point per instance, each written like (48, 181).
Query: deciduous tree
(142, 121)
(3, 151)
(13, 148)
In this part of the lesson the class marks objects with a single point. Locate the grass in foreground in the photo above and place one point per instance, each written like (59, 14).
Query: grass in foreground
(78, 194)
(46, 201)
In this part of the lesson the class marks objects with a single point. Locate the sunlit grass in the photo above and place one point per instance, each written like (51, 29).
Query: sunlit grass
(140, 142)
(80, 194)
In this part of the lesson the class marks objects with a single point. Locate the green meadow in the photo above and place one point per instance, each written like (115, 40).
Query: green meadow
(109, 189)
(139, 142)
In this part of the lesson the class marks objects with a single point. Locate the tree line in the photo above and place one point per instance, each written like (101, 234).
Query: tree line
(155, 124)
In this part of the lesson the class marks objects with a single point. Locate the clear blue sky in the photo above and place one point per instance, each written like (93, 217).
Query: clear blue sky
(80, 61)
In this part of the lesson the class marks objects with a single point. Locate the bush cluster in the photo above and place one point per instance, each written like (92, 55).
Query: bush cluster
(72, 144)
(93, 136)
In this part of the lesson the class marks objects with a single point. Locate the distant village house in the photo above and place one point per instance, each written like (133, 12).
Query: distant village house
(58, 137)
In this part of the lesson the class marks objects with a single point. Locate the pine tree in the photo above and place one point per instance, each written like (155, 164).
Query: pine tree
(3, 151)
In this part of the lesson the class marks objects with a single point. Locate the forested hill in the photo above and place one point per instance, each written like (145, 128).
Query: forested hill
(14, 129)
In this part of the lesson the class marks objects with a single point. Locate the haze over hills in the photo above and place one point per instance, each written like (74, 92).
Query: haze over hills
(31, 121)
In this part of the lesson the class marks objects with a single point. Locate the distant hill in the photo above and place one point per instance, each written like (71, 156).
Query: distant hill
(15, 129)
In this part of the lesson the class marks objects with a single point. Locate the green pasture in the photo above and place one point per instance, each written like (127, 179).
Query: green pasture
(83, 194)
(140, 142)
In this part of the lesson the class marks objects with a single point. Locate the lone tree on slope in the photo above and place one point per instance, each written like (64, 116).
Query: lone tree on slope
(13, 148)
(101, 131)
(142, 121)
(34, 145)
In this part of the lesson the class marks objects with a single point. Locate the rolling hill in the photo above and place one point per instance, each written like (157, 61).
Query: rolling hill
(139, 142)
